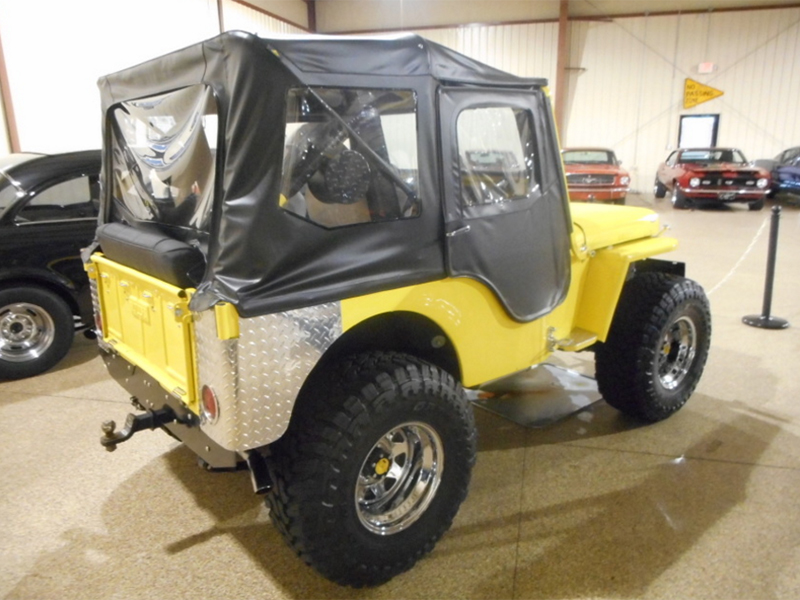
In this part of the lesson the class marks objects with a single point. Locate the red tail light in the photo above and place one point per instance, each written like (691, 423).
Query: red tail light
(210, 405)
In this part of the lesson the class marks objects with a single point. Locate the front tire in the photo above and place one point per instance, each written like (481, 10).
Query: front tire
(36, 331)
(373, 468)
(659, 189)
(657, 346)
(679, 199)
(756, 204)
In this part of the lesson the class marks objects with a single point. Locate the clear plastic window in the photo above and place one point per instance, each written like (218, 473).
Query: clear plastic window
(164, 158)
(495, 150)
(350, 156)
(72, 199)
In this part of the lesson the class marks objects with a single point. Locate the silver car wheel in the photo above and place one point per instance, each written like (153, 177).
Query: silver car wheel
(678, 348)
(399, 478)
(26, 332)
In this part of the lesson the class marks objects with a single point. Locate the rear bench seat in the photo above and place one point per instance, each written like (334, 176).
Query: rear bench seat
(155, 254)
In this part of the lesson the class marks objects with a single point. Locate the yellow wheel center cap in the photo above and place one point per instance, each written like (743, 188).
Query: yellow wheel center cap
(382, 467)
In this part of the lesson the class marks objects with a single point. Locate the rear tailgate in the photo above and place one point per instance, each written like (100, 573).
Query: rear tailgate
(147, 321)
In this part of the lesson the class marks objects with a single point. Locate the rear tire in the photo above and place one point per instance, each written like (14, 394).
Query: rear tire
(36, 331)
(657, 346)
(373, 468)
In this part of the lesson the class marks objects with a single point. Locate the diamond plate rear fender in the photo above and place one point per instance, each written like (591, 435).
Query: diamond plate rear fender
(258, 375)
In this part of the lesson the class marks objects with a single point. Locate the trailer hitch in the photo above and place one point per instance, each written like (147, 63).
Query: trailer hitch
(134, 423)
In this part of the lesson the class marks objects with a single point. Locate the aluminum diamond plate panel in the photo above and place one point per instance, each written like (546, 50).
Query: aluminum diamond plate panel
(257, 377)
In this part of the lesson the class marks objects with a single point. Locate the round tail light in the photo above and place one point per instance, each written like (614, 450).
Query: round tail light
(210, 405)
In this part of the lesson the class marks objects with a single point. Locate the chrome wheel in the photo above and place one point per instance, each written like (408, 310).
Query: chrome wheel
(26, 332)
(678, 348)
(399, 478)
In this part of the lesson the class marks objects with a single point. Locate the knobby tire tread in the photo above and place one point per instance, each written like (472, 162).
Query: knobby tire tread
(625, 362)
(316, 447)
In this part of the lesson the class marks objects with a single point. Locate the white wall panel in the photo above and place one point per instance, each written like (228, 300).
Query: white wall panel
(236, 16)
(630, 96)
(55, 51)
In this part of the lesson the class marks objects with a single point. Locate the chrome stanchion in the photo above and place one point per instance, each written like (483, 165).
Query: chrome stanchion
(765, 320)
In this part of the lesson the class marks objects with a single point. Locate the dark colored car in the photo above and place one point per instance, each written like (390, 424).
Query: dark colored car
(711, 175)
(48, 212)
(595, 175)
(785, 171)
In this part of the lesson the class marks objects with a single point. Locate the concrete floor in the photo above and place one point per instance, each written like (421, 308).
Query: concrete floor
(701, 506)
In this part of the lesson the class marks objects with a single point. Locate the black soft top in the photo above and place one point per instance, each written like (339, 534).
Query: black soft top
(264, 259)
(403, 55)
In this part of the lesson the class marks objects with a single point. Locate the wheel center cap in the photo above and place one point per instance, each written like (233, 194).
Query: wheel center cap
(382, 466)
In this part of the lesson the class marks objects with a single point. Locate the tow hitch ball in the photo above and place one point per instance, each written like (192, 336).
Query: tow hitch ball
(134, 423)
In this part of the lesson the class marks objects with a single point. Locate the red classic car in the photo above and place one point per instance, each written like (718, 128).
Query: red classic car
(594, 175)
(718, 175)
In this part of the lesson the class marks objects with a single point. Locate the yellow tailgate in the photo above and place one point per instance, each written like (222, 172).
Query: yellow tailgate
(148, 322)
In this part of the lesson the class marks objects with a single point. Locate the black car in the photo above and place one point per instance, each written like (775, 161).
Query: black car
(48, 212)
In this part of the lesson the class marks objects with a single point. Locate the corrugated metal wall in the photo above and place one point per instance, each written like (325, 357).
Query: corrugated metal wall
(626, 78)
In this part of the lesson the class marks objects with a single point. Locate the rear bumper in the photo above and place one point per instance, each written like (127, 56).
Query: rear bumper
(151, 396)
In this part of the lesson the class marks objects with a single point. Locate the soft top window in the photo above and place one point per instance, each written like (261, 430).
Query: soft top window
(495, 152)
(350, 156)
(163, 160)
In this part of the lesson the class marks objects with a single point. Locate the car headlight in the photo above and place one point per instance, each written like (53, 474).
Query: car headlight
(624, 180)
(694, 181)
(762, 183)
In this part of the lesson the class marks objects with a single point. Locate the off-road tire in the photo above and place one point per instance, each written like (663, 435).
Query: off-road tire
(643, 369)
(659, 189)
(340, 418)
(36, 331)
(679, 199)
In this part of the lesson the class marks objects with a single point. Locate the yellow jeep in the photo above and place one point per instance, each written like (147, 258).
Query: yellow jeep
(308, 248)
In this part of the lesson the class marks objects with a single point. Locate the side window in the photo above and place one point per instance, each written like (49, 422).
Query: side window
(791, 155)
(671, 159)
(495, 152)
(350, 156)
(72, 199)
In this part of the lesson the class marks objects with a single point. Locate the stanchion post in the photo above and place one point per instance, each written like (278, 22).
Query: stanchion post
(765, 320)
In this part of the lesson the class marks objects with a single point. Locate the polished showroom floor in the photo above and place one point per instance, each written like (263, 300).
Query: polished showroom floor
(705, 505)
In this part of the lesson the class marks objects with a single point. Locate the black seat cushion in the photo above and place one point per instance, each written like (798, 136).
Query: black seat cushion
(155, 254)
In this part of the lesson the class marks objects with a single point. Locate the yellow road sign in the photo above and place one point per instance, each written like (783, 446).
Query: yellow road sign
(695, 93)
